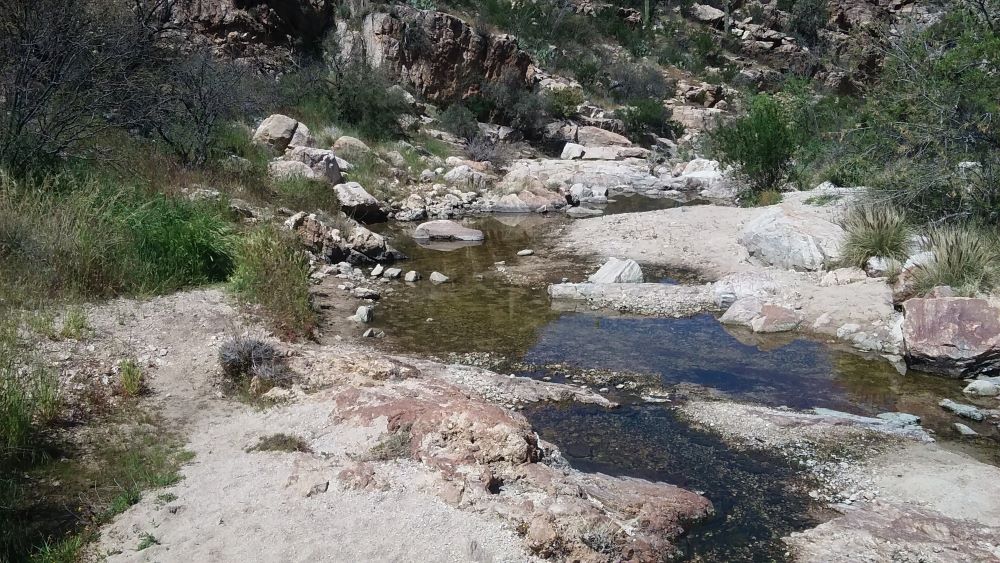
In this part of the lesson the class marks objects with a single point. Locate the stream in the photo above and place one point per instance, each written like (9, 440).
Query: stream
(495, 312)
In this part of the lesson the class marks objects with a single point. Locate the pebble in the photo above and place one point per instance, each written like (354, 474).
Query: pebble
(965, 430)
(377, 271)
(438, 277)
(525, 252)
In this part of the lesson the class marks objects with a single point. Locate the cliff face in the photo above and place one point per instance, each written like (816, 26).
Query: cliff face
(438, 55)
(255, 28)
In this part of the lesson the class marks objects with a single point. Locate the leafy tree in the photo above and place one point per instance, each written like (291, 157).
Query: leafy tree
(760, 144)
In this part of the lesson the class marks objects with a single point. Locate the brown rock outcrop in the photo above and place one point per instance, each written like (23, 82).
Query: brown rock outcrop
(437, 54)
(954, 336)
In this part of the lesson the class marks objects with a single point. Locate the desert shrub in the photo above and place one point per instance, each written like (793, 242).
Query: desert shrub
(509, 101)
(634, 38)
(484, 149)
(305, 193)
(242, 357)
(75, 325)
(352, 93)
(273, 272)
(281, 443)
(562, 103)
(760, 144)
(647, 115)
(630, 82)
(874, 229)
(965, 258)
(460, 121)
(394, 445)
(807, 18)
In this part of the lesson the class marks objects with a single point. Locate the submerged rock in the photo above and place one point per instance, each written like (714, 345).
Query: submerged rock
(438, 277)
(616, 270)
(964, 411)
(446, 230)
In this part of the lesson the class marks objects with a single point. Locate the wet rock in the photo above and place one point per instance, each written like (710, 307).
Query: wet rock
(792, 241)
(761, 317)
(438, 277)
(364, 314)
(365, 293)
(525, 252)
(617, 270)
(319, 235)
(534, 199)
(373, 333)
(356, 202)
(964, 430)
(411, 276)
(900, 418)
(392, 273)
(962, 410)
(580, 212)
(446, 230)
(982, 388)
(954, 336)
(377, 270)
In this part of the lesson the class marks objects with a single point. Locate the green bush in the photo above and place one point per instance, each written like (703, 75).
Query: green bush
(965, 258)
(459, 120)
(807, 18)
(630, 82)
(760, 144)
(874, 230)
(645, 115)
(562, 103)
(511, 102)
(273, 272)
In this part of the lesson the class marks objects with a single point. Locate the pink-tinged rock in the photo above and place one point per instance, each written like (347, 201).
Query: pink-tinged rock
(954, 336)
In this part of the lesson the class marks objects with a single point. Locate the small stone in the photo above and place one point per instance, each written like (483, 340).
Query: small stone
(411, 276)
(965, 430)
(392, 273)
(525, 252)
(364, 314)
(377, 271)
(438, 277)
(899, 418)
(964, 411)
(373, 333)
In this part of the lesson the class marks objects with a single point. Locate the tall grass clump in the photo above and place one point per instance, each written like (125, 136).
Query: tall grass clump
(965, 258)
(874, 230)
(272, 272)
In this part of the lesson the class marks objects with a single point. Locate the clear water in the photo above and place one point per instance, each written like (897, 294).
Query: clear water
(481, 311)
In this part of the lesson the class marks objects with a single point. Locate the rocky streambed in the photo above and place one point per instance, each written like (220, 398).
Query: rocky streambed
(677, 381)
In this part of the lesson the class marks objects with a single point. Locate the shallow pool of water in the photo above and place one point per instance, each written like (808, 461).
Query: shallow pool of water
(635, 203)
(481, 311)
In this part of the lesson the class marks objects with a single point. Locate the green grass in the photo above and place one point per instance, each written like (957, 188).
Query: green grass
(147, 540)
(306, 195)
(874, 230)
(273, 272)
(72, 237)
(281, 443)
(75, 325)
(130, 378)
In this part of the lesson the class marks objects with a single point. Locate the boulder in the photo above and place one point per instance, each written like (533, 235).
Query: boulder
(357, 203)
(446, 230)
(758, 316)
(354, 244)
(350, 144)
(322, 162)
(616, 270)
(740, 285)
(614, 153)
(290, 169)
(552, 175)
(464, 176)
(589, 136)
(364, 314)
(280, 131)
(953, 336)
(531, 200)
(792, 241)
(572, 151)
(707, 14)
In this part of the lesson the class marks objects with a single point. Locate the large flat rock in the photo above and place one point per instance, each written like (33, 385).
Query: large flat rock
(954, 336)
